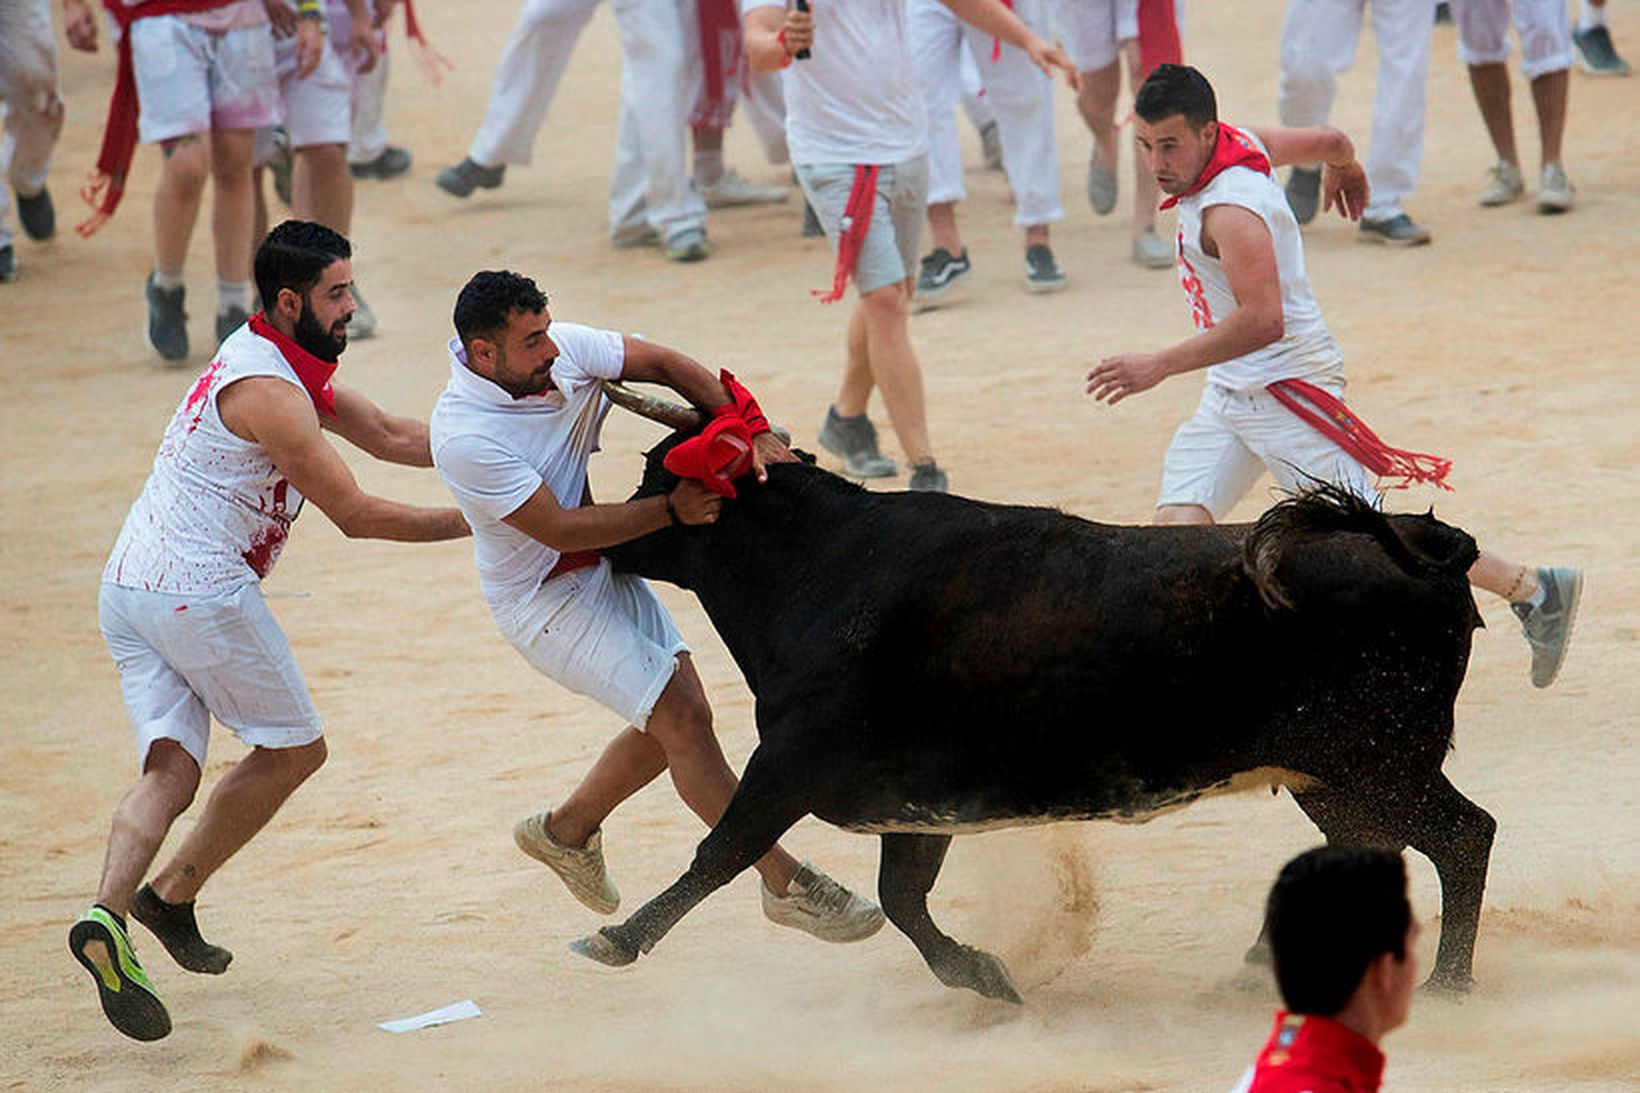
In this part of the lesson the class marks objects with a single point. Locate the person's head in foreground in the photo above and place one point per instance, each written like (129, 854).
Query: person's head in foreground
(1341, 935)
(1176, 122)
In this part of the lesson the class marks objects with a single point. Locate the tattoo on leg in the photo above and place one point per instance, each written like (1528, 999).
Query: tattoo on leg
(168, 148)
(188, 870)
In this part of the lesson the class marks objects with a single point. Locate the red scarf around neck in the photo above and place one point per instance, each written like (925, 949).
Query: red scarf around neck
(1232, 149)
(314, 373)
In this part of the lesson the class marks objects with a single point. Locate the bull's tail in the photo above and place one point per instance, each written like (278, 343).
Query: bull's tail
(1424, 549)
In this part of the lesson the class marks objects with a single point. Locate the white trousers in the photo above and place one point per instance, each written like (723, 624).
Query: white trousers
(1020, 94)
(650, 182)
(1319, 40)
(33, 104)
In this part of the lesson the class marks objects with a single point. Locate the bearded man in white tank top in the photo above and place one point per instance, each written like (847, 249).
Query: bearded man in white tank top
(1271, 364)
(182, 610)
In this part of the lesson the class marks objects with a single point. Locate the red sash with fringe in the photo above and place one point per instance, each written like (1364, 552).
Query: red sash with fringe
(1335, 421)
(851, 233)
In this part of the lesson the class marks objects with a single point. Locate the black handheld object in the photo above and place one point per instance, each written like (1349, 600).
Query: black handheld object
(802, 54)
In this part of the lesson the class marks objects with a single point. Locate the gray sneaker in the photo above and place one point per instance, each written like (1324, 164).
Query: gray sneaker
(580, 868)
(731, 190)
(1548, 625)
(280, 164)
(363, 323)
(1399, 230)
(818, 905)
(855, 440)
(1554, 190)
(466, 176)
(392, 163)
(1506, 185)
(990, 146)
(926, 477)
(1101, 184)
(1596, 54)
(1042, 273)
(686, 245)
(167, 322)
(1304, 193)
(1151, 250)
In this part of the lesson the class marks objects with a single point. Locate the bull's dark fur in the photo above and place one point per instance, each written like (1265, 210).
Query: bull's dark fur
(922, 661)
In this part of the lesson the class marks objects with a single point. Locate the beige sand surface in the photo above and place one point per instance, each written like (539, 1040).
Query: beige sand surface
(390, 886)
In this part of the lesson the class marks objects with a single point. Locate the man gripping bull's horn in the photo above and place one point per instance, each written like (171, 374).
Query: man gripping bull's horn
(511, 437)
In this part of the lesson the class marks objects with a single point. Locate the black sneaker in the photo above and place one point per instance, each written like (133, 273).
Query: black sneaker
(226, 323)
(926, 477)
(855, 440)
(1443, 14)
(392, 163)
(1596, 54)
(8, 264)
(99, 942)
(1304, 193)
(1042, 273)
(177, 929)
(466, 176)
(941, 270)
(1395, 231)
(37, 215)
(167, 322)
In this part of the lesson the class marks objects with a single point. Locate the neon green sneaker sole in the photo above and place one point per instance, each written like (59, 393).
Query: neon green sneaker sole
(127, 995)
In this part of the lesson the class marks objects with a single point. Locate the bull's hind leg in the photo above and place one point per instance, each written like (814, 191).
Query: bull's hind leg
(910, 863)
(764, 807)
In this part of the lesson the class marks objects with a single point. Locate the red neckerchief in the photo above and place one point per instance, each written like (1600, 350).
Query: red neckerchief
(851, 231)
(1335, 421)
(1307, 1054)
(106, 183)
(1232, 149)
(314, 373)
(1158, 36)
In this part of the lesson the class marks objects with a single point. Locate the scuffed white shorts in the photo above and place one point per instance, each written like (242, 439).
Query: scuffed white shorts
(191, 80)
(604, 635)
(183, 659)
(1218, 454)
(319, 106)
(1541, 25)
(1092, 31)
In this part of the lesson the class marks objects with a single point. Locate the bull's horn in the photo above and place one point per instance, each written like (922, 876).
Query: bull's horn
(667, 413)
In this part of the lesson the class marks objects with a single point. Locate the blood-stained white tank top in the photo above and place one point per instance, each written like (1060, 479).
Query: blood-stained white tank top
(215, 511)
(1305, 350)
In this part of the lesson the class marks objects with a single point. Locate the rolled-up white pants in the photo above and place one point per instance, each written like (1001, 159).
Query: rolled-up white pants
(1319, 40)
(1020, 94)
(1541, 25)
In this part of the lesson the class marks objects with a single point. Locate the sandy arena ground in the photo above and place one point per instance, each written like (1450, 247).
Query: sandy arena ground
(390, 885)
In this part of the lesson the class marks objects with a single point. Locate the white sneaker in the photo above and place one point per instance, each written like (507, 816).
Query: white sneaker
(1151, 250)
(1554, 190)
(580, 868)
(1506, 185)
(816, 904)
(730, 190)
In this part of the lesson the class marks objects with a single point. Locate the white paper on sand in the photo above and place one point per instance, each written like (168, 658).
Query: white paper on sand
(455, 1011)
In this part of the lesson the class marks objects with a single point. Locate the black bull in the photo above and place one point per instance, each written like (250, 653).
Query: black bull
(925, 664)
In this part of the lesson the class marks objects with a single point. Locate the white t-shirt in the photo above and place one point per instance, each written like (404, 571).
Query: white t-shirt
(494, 451)
(215, 511)
(855, 100)
(1305, 350)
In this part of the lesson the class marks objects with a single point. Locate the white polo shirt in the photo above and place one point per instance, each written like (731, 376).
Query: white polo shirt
(494, 451)
(855, 99)
(1305, 350)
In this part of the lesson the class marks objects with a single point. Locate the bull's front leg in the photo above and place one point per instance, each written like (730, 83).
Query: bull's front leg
(768, 801)
(906, 874)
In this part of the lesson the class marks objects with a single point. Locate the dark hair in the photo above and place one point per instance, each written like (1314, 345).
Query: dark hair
(1331, 912)
(1176, 89)
(489, 297)
(294, 256)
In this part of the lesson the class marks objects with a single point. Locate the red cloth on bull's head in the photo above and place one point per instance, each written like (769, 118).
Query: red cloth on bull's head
(720, 454)
(742, 403)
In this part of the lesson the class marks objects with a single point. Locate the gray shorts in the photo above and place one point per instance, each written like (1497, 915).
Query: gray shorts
(890, 250)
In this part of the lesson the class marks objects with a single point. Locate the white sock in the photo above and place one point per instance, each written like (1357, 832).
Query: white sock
(1590, 16)
(708, 166)
(232, 294)
(167, 278)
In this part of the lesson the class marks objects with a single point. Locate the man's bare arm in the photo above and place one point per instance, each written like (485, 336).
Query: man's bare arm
(371, 429)
(589, 526)
(997, 19)
(280, 417)
(1343, 179)
(760, 31)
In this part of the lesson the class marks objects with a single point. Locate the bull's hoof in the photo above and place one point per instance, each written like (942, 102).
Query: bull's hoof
(978, 971)
(605, 949)
(1449, 984)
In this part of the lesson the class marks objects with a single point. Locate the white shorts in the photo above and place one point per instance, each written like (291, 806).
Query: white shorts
(604, 635)
(1092, 31)
(1541, 25)
(1235, 436)
(191, 80)
(184, 658)
(318, 107)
